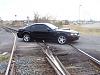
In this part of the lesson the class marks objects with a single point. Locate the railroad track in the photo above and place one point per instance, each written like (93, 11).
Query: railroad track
(53, 59)
(10, 67)
(91, 57)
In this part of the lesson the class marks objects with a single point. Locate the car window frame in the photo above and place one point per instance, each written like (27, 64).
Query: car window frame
(44, 30)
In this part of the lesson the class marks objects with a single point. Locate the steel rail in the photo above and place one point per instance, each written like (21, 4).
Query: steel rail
(54, 61)
(91, 57)
(11, 56)
(9, 28)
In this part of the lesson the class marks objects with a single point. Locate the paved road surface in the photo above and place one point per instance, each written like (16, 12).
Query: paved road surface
(90, 44)
(6, 41)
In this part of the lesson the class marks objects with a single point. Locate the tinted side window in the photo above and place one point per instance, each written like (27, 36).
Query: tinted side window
(33, 27)
(40, 27)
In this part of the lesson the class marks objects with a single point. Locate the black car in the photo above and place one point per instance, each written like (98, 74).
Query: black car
(47, 31)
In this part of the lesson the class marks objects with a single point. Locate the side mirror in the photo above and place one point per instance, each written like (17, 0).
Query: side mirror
(48, 29)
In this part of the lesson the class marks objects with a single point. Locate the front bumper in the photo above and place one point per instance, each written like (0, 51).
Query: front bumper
(73, 38)
(20, 35)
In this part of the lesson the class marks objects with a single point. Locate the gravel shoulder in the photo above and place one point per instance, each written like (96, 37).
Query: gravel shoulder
(30, 60)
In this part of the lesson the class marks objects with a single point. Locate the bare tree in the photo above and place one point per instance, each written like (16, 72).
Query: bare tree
(45, 19)
(36, 17)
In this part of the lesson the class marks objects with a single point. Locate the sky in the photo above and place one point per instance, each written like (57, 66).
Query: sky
(58, 9)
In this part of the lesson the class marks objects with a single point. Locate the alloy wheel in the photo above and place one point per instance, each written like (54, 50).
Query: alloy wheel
(26, 37)
(61, 39)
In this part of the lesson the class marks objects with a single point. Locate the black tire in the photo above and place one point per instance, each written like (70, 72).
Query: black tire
(26, 38)
(61, 39)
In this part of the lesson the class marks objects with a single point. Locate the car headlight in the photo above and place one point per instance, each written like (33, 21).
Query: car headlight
(74, 34)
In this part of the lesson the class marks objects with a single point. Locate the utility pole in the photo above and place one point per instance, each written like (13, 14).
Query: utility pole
(15, 20)
(1, 21)
(27, 19)
(79, 11)
(15, 17)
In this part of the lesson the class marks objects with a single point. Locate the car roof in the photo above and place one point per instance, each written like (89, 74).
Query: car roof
(47, 24)
(41, 23)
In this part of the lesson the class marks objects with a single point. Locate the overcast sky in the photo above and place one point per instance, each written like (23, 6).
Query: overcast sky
(59, 9)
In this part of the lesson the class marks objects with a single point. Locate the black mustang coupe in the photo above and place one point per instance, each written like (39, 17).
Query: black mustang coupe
(47, 31)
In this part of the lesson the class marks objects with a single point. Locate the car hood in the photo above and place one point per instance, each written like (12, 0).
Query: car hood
(23, 27)
(71, 31)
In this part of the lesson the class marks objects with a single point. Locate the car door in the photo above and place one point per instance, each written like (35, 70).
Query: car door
(33, 31)
(46, 32)
(40, 31)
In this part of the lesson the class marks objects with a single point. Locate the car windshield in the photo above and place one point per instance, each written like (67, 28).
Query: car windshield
(52, 26)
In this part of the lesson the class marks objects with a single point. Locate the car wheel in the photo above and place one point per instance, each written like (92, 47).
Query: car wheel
(26, 38)
(61, 39)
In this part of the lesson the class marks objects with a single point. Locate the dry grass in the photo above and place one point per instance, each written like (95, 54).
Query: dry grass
(3, 57)
(85, 30)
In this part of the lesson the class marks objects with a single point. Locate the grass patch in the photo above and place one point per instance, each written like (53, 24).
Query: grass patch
(4, 57)
(85, 30)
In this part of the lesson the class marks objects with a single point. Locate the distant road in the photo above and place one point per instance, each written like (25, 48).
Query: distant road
(95, 25)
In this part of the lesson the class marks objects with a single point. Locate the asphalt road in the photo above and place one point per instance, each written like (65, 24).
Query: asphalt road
(89, 44)
(6, 41)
